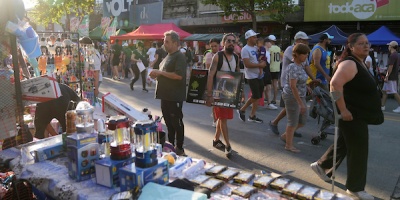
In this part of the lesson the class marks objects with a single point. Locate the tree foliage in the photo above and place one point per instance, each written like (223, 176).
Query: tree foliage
(51, 11)
(275, 9)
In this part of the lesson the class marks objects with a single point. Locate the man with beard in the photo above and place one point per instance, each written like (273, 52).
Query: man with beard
(230, 62)
(320, 61)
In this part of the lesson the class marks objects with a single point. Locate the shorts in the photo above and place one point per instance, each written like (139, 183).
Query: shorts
(390, 87)
(256, 87)
(282, 102)
(115, 62)
(267, 76)
(293, 111)
(275, 75)
(223, 113)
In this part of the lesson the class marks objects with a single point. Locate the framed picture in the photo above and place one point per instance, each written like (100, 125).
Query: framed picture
(227, 88)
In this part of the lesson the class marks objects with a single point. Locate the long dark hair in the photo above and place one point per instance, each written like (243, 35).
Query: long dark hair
(351, 41)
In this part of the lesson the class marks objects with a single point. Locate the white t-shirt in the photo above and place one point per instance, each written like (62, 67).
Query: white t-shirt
(250, 53)
(97, 63)
(208, 58)
(151, 53)
(369, 60)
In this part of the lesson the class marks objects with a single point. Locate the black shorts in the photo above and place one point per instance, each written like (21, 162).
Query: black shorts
(256, 87)
(115, 62)
(275, 75)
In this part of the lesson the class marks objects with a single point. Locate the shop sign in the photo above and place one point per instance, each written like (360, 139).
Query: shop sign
(244, 17)
(116, 7)
(351, 10)
(147, 13)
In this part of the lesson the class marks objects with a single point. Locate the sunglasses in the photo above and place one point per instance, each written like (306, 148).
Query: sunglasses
(231, 41)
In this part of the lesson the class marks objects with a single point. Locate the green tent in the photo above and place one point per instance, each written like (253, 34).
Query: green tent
(96, 33)
(120, 32)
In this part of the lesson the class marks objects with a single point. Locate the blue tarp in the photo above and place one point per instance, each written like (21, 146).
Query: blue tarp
(340, 37)
(382, 36)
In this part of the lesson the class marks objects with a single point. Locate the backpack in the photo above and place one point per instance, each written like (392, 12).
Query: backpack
(221, 57)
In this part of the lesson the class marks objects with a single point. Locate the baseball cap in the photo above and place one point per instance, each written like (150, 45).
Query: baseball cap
(326, 36)
(250, 33)
(272, 37)
(301, 35)
(393, 44)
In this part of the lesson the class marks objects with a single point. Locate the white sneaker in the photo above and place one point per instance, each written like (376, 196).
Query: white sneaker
(397, 110)
(319, 171)
(271, 106)
(383, 108)
(214, 124)
(362, 195)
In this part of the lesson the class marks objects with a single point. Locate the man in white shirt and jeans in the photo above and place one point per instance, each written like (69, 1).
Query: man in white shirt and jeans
(252, 73)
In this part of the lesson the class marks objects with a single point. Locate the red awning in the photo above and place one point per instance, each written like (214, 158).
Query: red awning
(151, 32)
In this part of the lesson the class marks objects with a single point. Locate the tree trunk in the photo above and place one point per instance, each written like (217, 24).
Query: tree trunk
(254, 22)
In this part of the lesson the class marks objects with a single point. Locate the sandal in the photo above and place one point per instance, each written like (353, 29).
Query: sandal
(293, 150)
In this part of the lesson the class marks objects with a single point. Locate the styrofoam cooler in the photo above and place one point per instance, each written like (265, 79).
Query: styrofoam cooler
(31, 47)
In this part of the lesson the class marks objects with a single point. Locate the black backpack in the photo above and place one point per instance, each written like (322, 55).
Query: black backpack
(188, 55)
(221, 57)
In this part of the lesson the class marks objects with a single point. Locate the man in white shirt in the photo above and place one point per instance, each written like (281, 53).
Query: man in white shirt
(151, 53)
(252, 73)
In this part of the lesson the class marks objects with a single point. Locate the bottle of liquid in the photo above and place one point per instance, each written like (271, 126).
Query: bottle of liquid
(180, 164)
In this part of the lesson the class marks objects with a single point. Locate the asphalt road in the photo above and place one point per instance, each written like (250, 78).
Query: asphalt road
(256, 148)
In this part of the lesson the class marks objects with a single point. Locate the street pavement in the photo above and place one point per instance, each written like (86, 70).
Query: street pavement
(257, 149)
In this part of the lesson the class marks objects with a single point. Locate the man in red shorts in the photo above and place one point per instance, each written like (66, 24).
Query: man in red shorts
(230, 63)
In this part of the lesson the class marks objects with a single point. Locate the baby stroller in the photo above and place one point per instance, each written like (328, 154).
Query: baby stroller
(322, 107)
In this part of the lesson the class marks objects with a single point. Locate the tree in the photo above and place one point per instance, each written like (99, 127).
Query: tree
(275, 9)
(51, 11)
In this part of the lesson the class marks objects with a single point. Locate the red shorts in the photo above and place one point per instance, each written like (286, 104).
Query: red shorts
(223, 113)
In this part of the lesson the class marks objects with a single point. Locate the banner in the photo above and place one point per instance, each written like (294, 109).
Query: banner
(105, 21)
(111, 30)
(74, 24)
(227, 88)
(351, 10)
(83, 28)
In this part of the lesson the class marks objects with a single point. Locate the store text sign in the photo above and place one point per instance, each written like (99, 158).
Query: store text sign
(116, 7)
(244, 17)
(351, 10)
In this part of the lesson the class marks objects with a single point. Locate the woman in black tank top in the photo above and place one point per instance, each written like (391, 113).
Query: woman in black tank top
(359, 106)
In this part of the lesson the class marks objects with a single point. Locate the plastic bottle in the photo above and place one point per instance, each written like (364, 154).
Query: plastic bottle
(193, 168)
(180, 165)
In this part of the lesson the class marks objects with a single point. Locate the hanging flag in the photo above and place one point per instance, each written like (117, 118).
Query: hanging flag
(111, 30)
(105, 21)
(83, 28)
(74, 24)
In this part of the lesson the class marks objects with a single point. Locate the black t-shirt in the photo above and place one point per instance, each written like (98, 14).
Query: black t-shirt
(169, 89)
(116, 51)
(394, 60)
(161, 55)
(139, 55)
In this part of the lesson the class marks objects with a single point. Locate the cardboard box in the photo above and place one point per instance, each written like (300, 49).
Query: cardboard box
(82, 160)
(79, 140)
(48, 152)
(112, 105)
(107, 171)
(40, 89)
(131, 176)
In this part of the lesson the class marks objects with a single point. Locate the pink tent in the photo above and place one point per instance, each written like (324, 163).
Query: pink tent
(151, 32)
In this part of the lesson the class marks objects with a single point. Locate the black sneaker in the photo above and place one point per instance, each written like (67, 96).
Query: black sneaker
(219, 145)
(242, 115)
(255, 119)
(145, 90)
(274, 128)
(296, 134)
(180, 152)
(228, 150)
(273, 102)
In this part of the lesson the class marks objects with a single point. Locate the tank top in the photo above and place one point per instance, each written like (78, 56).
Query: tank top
(361, 94)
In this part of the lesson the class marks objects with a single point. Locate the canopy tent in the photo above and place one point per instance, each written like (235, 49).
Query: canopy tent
(120, 32)
(382, 36)
(203, 37)
(96, 33)
(151, 32)
(340, 37)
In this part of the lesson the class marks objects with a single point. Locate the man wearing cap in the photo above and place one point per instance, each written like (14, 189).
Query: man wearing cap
(320, 60)
(275, 65)
(252, 74)
(300, 37)
(392, 76)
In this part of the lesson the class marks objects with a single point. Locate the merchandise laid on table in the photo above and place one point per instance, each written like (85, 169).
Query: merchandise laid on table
(124, 157)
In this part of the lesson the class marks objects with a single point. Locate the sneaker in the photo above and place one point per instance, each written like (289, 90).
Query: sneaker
(242, 115)
(363, 195)
(271, 106)
(296, 134)
(319, 171)
(255, 119)
(180, 152)
(397, 110)
(228, 150)
(273, 102)
(145, 90)
(274, 128)
(219, 145)
(214, 124)
(383, 108)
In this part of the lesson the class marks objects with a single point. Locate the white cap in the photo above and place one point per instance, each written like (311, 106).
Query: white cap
(326, 36)
(272, 38)
(393, 44)
(301, 35)
(250, 33)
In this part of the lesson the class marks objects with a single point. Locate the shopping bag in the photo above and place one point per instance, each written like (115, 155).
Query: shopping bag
(150, 80)
(141, 66)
